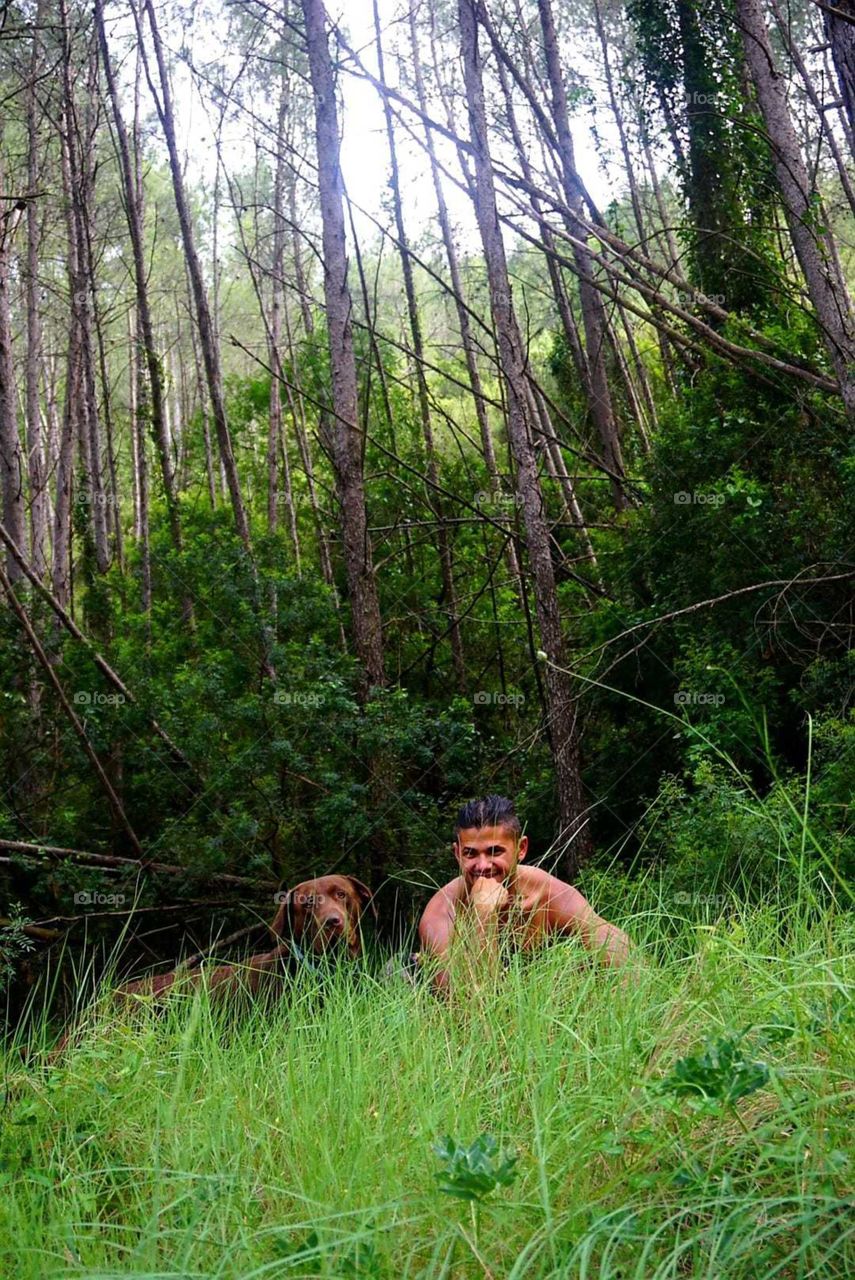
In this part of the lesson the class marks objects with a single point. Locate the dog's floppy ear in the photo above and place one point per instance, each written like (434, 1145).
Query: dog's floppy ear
(366, 897)
(284, 922)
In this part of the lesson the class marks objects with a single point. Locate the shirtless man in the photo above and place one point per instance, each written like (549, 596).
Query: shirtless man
(494, 887)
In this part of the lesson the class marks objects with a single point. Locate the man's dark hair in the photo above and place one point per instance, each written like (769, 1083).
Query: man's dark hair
(492, 811)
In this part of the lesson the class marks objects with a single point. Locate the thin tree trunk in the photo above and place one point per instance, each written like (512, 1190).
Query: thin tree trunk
(11, 457)
(133, 355)
(818, 105)
(134, 215)
(593, 311)
(112, 498)
(207, 337)
(812, 240)
(296, 407)
(457, 293)
(558, 470)
(300, 279)
(36, 460)
(346, 434)
(559, 689)
(839, 20)
(81, 403)
(61, 568)
(443, 537)
(276, 442)
(141, 413)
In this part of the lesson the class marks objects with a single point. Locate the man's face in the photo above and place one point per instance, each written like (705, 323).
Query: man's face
(492, 852)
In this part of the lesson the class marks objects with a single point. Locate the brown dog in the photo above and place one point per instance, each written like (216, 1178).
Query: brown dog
(322, 914)
(254, 974)
(317, 915)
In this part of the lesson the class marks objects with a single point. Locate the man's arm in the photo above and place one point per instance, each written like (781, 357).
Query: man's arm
(569, 912)
(436, 927)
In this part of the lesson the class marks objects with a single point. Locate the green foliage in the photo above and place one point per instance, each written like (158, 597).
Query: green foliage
(14, 943)
(693, 59)
(720, 1072)
(296, 1139)
(471, 1173)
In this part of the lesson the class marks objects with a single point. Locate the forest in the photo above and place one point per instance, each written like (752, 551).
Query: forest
(401, 402)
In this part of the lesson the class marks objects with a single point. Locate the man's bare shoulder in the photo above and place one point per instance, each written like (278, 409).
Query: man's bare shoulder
(536, 881)
(556, 896)
(446, 898)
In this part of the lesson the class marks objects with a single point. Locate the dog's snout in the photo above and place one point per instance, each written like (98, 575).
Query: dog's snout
(333, 924)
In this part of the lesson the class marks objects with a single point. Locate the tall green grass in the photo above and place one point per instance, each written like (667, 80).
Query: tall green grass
(297, 1140)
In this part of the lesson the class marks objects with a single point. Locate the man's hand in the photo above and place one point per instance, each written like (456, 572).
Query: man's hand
(487, 897)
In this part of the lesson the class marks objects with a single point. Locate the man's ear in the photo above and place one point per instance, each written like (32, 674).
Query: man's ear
(366, 897)
(522, 848)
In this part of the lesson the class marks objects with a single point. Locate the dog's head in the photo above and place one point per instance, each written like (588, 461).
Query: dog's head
(323, 914)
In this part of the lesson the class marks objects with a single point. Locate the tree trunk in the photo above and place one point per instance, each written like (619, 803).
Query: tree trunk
(559, 689)
(346, 433)
(463, 319)
(275, 437)
(819, 106)
(134, 215)
(36, 461)
(61, 568)
(11, 458)
(207, 337)
(813, 241)
(593, 311)
(840, 30)
(443, 536)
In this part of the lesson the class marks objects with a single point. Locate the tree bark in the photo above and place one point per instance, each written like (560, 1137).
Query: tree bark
(443, 536)
(133, 213)
(812, 240)
(207, 337)
(559, 690)
(36, 461)
(11, 458)
(463, 319)
(346, 433)
(61, 567)
(593, 311)
(840, 31)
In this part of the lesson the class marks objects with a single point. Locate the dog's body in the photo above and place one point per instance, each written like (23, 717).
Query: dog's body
(317, 916)
(254, 975)
(320, 916)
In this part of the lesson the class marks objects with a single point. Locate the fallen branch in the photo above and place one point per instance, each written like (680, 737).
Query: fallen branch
(57, 853)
